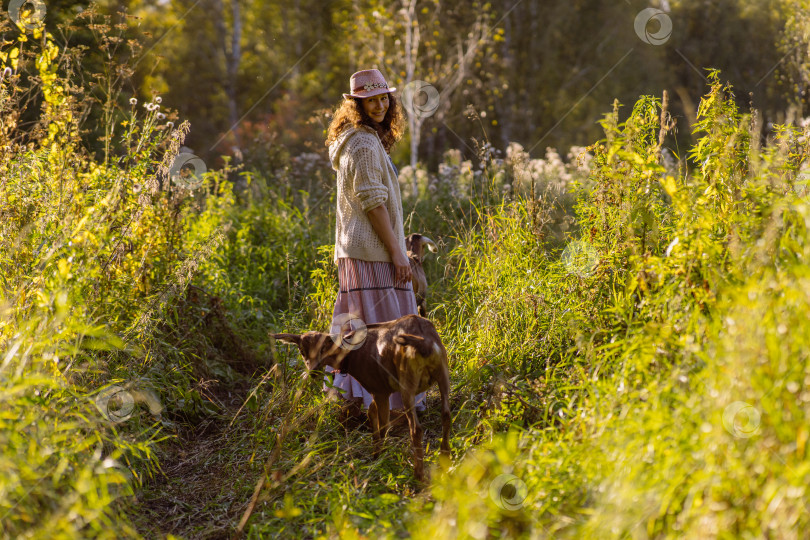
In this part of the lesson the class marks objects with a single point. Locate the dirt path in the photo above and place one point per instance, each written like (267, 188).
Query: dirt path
(206, 467)
(200, 493)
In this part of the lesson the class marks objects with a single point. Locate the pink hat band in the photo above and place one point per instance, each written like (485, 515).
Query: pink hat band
(367, 83)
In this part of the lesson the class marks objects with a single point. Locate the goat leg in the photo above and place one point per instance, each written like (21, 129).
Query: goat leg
(420, 304)
(444, 389)
(378, 413)
(383, 412)
(416, 434)
(375, 427)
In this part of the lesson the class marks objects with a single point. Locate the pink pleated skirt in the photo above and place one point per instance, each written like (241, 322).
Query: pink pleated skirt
(368, 294)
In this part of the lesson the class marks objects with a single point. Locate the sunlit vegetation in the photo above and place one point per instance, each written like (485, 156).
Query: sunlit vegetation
(626, 322)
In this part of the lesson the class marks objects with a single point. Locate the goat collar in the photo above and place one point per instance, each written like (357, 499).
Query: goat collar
(342, 364)
(341, 367)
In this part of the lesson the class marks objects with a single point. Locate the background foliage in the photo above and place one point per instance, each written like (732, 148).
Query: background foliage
(626, 321)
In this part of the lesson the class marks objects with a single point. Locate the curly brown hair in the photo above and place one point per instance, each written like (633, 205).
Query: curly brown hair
(351, 113)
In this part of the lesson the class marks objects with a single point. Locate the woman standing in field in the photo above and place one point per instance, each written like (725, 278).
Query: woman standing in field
(373, 269)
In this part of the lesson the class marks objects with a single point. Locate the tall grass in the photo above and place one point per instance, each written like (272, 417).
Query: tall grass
(96, 258)
(627, 333)
(687, 364)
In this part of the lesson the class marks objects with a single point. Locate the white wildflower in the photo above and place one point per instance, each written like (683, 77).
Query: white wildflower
(671, 245)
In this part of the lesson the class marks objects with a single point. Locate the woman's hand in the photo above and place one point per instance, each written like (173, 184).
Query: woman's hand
(381, 222)
(402, 266)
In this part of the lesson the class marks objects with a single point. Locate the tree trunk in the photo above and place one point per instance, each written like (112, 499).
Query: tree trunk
(411, 54)
(689, 107)
(415, 125)
(233, 70)
(232, 53)
(505, 106)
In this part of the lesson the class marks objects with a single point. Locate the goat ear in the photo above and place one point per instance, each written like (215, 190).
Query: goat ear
(292, 339)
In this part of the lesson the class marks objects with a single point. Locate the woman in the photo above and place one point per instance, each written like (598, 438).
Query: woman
(373, 269)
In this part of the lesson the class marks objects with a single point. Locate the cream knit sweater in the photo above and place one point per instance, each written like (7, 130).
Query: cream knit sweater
(365, 179)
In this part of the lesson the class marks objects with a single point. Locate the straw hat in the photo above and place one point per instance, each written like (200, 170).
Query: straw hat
(367, 83)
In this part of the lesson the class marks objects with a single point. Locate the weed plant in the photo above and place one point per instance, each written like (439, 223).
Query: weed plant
(626, 329)
(684, 360)
(96, 259)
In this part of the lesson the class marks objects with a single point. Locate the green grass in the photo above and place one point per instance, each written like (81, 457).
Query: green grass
(628, 343)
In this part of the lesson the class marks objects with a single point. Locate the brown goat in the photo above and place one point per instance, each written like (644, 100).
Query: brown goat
(415, 244)
(405, 355)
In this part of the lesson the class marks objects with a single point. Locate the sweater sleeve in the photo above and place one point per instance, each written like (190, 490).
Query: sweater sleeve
(367, 179)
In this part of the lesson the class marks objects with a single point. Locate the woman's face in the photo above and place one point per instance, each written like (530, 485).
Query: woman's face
(376, 106)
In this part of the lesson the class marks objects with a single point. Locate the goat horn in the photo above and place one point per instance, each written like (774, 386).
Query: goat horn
(430, 244)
